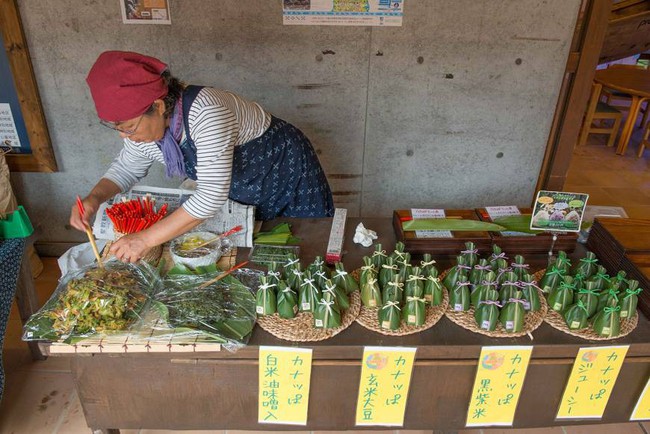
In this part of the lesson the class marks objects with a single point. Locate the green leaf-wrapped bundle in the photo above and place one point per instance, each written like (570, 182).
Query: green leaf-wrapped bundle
(497, 254)
(470, 254)
(339, 294)
(512, 314)
(292, 263)
(294, 277)
(389, 316)
(393, 291)
(551, 279)
(601, 278)
(587, 265)
(414, 286)
(274, 273)
(343, 279)
(520, 267)
(378, 257)
(387, 272)
(327, 315)
(414, 312)
(509, 287)
(398, 253)
(287, 301)
(486, 314)
(459, 298)
(589, 299)
(404, 272)
(317, 265)
(530, 293)
(562, 296)
(502, 269)
(607, 322)
(404, 260)
(266, 299)
(479, 271)
(630, 299)
(576, 316)
(460, 269)
(608, 298)
(433, 288)
(426, 263)
(308, 294)
(321, 276)
(367, 270)
(562, 262)
(579, 281)
(620, 280)
(370, 293)
(488, 283)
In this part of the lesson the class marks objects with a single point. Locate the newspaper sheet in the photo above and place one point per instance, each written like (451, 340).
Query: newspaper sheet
(230, 215)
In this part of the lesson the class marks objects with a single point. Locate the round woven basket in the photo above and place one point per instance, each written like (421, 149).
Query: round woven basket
(369, 317)
(555, 320)
(532, 320)
(301, 328)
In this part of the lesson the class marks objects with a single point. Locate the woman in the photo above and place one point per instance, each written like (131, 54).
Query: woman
(230, 146)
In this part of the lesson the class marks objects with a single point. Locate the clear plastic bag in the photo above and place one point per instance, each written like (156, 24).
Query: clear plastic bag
(94, 300)
(224, 310)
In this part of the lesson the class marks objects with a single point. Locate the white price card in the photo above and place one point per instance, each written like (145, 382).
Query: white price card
(424, 213)
(433, 234)
(502, 211)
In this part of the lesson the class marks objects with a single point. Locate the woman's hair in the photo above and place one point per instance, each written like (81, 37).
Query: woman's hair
(175, 88)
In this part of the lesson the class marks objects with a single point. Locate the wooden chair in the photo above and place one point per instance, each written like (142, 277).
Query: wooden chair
(598, 110)
(644, 142)
(610, 95)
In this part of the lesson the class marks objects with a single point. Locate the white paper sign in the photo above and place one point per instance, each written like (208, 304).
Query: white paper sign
(502, 211)
(424, 213)
(433, 234)
(8, 132)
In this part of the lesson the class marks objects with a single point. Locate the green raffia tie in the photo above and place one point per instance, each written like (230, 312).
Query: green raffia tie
(612, 309)
(633, 291)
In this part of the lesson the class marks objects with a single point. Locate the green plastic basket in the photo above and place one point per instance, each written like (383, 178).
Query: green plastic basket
(16, 225)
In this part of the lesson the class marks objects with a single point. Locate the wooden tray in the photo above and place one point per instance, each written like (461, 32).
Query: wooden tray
(441, 246)
(523, 245)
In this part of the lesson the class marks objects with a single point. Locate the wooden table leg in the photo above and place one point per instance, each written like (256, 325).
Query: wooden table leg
(628, 128)
(26, 298)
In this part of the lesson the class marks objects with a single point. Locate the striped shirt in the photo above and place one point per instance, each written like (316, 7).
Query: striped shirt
(218, 121)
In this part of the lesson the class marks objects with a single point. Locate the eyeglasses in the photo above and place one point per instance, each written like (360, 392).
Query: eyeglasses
(114, 126)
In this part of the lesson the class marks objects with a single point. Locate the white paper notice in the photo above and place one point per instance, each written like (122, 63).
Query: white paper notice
(502, 211)
(230, 215)
(424, 213)
(8, 132)
(343, 12)
(433, 234)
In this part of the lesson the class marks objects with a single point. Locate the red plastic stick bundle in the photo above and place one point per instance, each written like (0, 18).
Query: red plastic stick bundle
(135, 215)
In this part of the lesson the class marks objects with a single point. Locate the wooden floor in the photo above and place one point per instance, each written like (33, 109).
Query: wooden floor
(40, 397)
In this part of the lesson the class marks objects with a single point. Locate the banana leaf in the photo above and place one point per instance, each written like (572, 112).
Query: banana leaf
(370, 293)
(266, 301)
(607, 322)
(480, 291)
(470, 254)
(508, 287)
(393, 291)
(292, 263)
(589, 298)
(344, 280)
(279, 235)
(502, 269)
(576, 316)
(294, 277)
(338, 293)
(414, 312)
(327, 315)
(530, 293)
(561, 297)
(317, 265)
(414, 286)
(320, 277)
(287, 301)
(367, 270)
(601, 279)
(551, 279)
(516, 223)
(389, 316)
(450, 225)
(459, 297)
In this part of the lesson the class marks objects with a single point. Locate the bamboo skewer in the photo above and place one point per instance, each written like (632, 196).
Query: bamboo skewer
(89, 233)
(222, 275)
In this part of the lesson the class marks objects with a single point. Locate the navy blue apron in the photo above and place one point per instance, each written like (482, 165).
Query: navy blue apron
(278, 172)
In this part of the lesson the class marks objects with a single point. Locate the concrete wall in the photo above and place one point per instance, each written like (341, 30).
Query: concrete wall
(452, 109)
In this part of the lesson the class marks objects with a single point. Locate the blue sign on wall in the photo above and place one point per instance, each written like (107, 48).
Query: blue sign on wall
(8, 95)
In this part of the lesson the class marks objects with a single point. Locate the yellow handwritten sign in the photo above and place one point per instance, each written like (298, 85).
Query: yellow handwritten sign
(385, 380)
(284, 376)
(591, 382)
(499, 379)
(642, 409)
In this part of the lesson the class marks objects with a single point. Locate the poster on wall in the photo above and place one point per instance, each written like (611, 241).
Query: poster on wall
(145, 11)
(343, 12)
(9, 140)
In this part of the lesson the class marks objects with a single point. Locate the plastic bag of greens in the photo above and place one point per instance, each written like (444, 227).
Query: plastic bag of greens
(223, 310)
(94, 300)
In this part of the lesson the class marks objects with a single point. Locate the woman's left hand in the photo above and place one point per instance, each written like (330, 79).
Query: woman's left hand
(130, 248)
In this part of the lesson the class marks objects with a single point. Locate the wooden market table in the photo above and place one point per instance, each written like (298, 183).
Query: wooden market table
(219, 390)
(636, 83)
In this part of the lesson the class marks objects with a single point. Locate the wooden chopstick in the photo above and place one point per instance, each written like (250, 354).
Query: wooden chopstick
(89, 233)
(222, 275)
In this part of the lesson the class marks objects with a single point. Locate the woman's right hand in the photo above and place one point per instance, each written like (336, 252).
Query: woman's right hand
(90, 207)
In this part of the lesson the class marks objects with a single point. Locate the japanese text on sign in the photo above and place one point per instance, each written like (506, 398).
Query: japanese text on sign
(497, 387)
(385, 380)
(284, 376)
(591, 382)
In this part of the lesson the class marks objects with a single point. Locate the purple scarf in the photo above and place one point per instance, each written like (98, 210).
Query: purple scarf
(169, 145)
